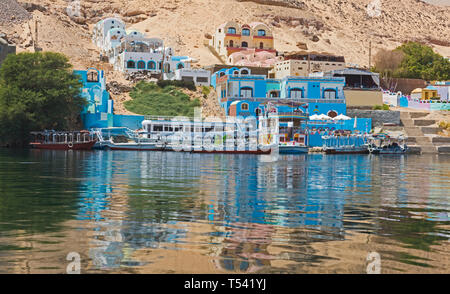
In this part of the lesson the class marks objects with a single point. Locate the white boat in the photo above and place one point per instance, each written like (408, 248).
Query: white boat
(384, 144)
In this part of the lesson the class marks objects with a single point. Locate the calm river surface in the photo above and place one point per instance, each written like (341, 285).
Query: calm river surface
(153, 212)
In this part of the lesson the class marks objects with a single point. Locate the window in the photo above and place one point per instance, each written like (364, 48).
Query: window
(261, 45)
(332, 113)
(231, 30)
(246, 92)
(246, 32)
(180, 66)
(141, 65)
(296, 93)
(273, 94)
(329, 94)
(231, 43)
(244, 72)
(261, 33)
(202, 80)
(92, 76)
(131, 64)
(151, 65)
(258, 111)
(244, 106)
(244, 44)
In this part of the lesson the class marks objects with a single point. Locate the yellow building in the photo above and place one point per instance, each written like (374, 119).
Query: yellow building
(424, 94)
(232, 37)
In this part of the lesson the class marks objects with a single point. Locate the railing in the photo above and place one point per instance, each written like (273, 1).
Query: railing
(287, 100)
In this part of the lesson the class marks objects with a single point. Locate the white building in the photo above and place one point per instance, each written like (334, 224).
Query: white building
(200, 77)
(131, 51)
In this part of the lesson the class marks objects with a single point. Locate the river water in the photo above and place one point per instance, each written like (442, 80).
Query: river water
(155, 212)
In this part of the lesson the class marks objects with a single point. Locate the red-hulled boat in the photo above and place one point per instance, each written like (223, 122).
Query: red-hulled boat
(51, 140)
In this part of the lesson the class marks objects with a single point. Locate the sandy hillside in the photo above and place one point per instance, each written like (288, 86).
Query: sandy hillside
(341, 26)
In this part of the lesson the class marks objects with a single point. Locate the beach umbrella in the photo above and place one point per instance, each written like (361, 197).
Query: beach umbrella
(342, 117)
(324, 117)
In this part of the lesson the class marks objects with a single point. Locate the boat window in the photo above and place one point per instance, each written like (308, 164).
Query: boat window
(158, 128)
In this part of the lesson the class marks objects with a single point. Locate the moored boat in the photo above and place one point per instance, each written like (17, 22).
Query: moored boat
(384, 144)
(52, 140)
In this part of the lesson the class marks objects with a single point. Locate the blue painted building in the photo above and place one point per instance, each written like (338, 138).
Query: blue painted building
(99, 111)
(242, 94)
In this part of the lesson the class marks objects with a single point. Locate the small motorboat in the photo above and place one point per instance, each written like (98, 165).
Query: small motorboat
(292, 148)
(53, 140)
(384, 144)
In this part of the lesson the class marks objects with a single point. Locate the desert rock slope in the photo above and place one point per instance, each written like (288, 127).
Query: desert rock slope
(337, 26)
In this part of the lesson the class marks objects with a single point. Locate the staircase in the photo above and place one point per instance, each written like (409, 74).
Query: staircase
(414, 129)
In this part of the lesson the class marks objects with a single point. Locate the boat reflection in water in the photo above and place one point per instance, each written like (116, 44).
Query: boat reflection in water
(172, 212)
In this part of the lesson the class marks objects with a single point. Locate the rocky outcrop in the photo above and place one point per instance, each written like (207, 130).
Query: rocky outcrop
(12, 12)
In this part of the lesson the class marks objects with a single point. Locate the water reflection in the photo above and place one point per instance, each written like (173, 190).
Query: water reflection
(179, 212)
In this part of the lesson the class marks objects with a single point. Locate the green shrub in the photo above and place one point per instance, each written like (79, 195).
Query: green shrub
(179, 84)
(381, 107)
(151, 99)
(205, 91)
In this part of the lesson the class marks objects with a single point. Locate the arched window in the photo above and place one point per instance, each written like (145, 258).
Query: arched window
(329, 94)
(273, 94)
(296, 93)
(221, 74)
(231, 30)
(141, 65)
(180, 66)
(261, 45)
(131, 64)
(261, 33)
(246, 92)
(92, 76)
(244, 106)
(244, 44)
(245, 32)
(231, 43)
(151, 65)
(236, 72)
(244, 72)
(332, 113)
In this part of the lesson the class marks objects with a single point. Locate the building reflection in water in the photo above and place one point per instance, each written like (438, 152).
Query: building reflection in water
(252, 212)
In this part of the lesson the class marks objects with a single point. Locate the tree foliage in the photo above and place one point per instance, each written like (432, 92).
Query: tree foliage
(412, 60)
(37, 91)
(151, 99)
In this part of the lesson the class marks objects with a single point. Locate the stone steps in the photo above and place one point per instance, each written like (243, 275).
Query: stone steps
(417, 114)
(431, 130)
(441, 140)
(415, 128)
(424, 122)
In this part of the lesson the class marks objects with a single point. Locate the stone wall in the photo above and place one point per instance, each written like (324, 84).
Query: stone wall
(379, 117)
